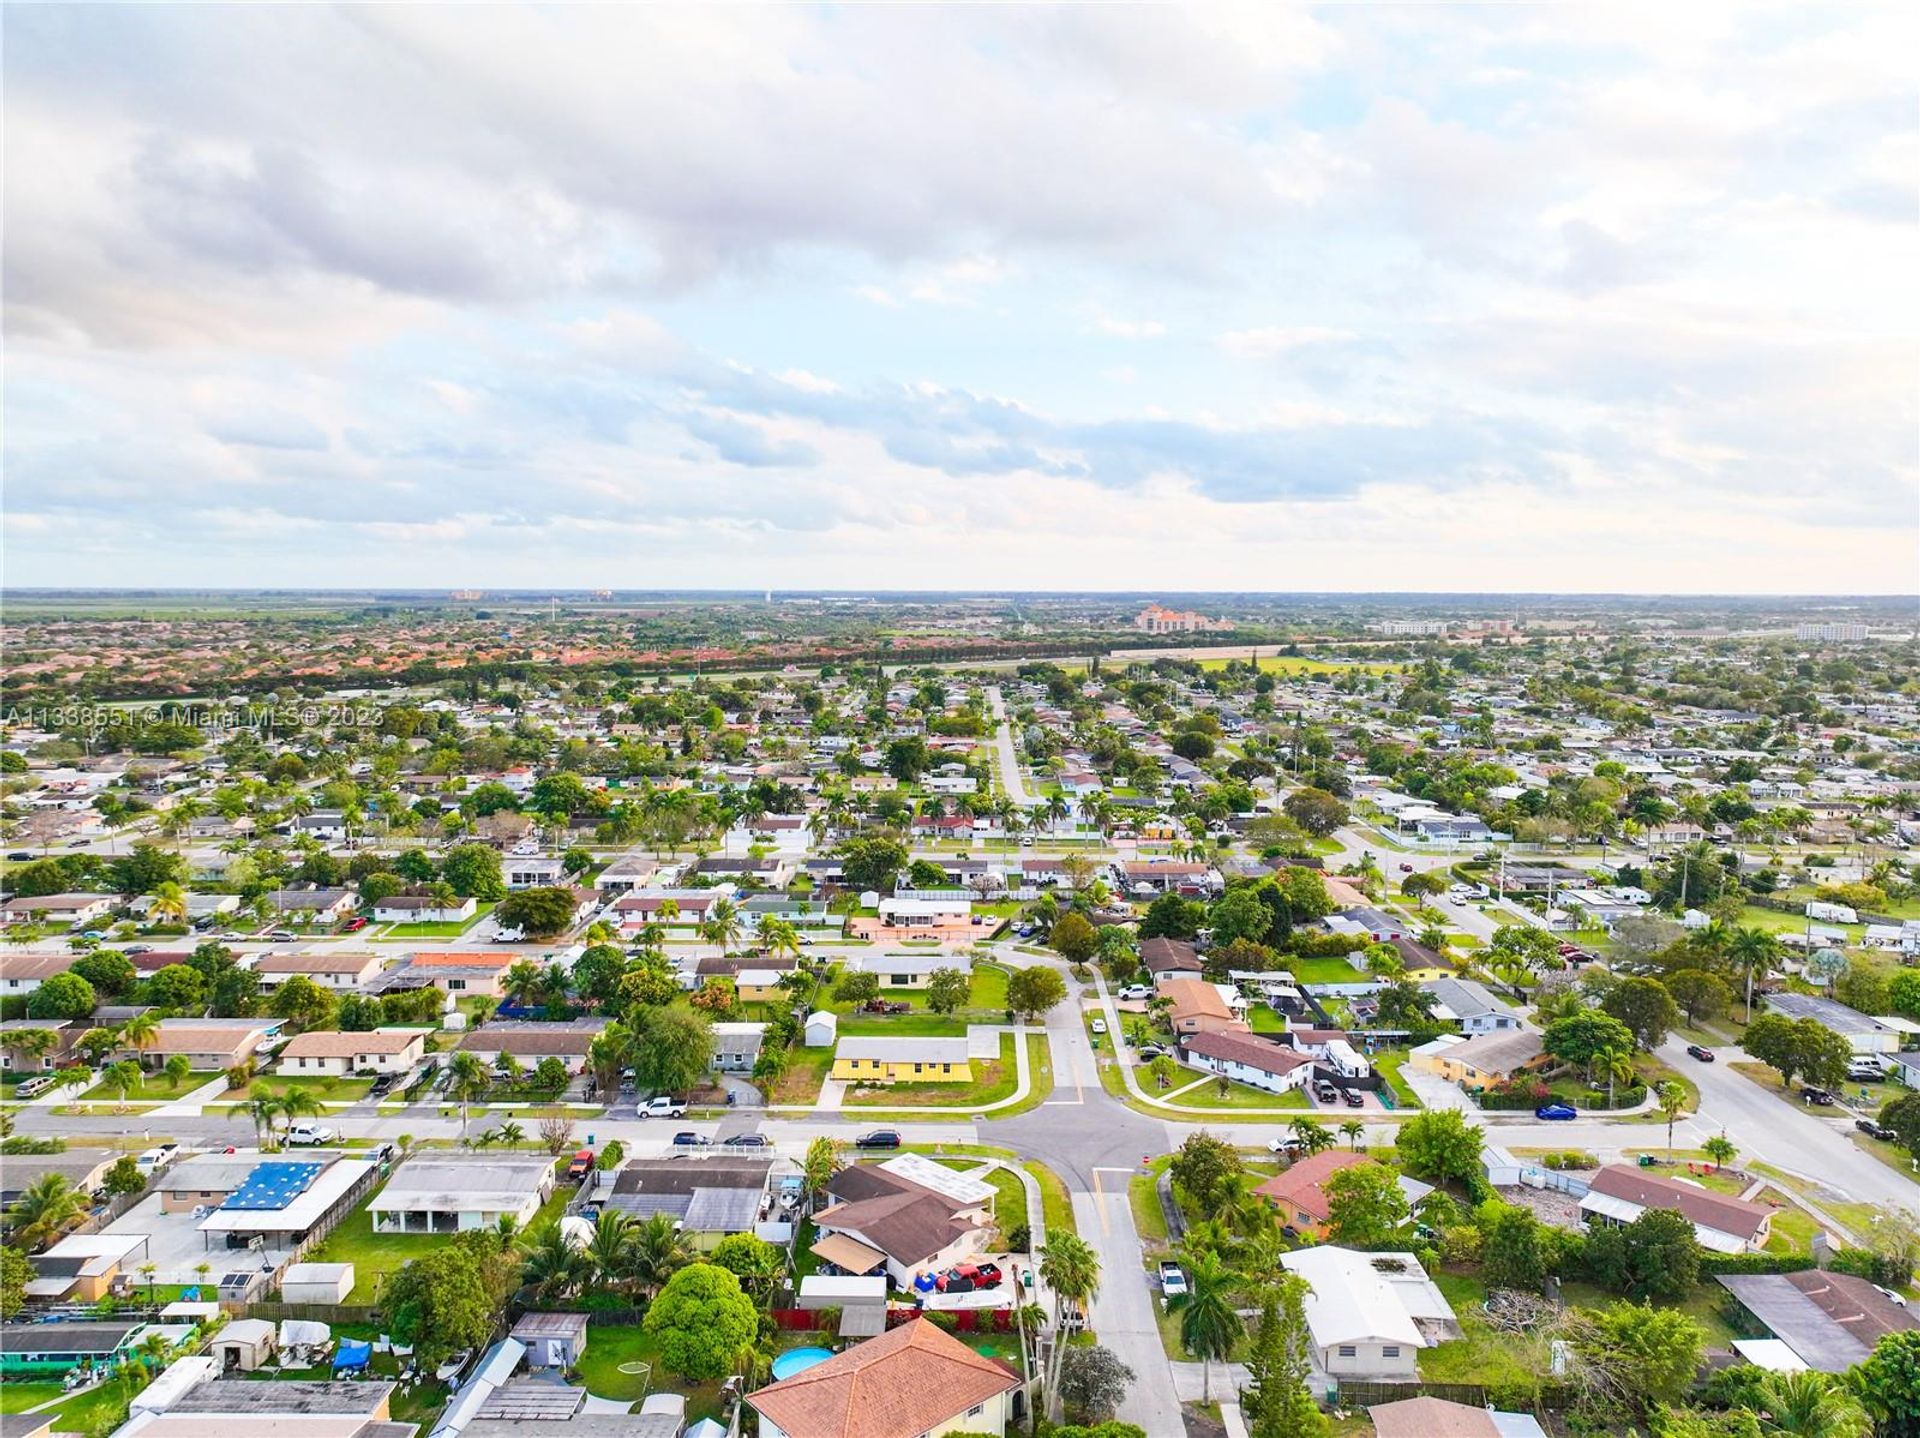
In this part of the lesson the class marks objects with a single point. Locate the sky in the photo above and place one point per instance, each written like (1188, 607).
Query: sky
(1238, 297)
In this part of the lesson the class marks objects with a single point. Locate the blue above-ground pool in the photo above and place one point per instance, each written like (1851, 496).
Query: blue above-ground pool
(799, 1360)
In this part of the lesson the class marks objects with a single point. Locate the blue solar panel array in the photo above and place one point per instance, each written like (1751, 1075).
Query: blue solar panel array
(273, 1185)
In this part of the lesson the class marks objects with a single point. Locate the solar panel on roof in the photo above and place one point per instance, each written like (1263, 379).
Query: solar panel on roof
(273, 1186)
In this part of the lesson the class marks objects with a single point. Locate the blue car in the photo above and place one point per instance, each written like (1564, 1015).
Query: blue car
(1556, 1111)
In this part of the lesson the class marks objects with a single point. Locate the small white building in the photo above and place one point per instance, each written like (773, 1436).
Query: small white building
(316, 1282)
(823, 1030)
(445, 1193)
(336, 1055)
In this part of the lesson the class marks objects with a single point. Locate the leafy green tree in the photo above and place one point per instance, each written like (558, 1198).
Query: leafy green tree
(1239, 914)
(1645, 1007)
(440, 1302)
(303, 1003)
(542, 913)
(672, 1049)
(1172, 917)
(1277, 1401)
(1888, 1383)
(15, 1274)
(1032, 991)
(109, 971)
(473, 870)
(1580, 1038)
(1720, 1149)
(1315, 810)
(1798, 1048)
(701, 1320)
(1366, 1207)
(948, 989)
(755, 1262)
(857, 986)
(1440, 1146)
(550, 1075)
(1701, 995)
(872, 863)
(178, 987)
(1514, 1246)
(124, 1177)
(1638, 1356)
(176, 1068)
(1204, 1168)
(63, 996)
(1073, 938)
(1655, 1256)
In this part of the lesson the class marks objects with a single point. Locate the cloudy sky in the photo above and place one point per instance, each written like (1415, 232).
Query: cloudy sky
(1208, 297)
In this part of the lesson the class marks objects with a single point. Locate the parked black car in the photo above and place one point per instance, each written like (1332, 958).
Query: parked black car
(1874, 1130)
(1353, 1098)
(879, 1138)
(1816, 1095)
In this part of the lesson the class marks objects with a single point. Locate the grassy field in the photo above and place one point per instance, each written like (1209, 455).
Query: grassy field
(800, 1081)
(992, 1081)
(325, 1090)
(1010, 1194)
(401, 932)
(1239, 1097)
(1482, 1354)
(375, 1255)
(1149, 1218)
(1300, 664)
(610, 1347)
(18, 1397)
(1326, 971)
(154, 1087)
(1056, 1206)
(1389, 1062)
(1263, 1020)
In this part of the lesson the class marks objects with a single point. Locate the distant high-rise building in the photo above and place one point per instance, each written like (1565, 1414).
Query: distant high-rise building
(1409, 627)
(465, 595)
(1830, 632)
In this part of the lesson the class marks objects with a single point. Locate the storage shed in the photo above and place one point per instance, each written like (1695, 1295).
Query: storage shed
(316, 1282)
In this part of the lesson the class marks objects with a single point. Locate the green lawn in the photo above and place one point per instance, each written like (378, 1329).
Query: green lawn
(992, 1081)
(1010, 1195)
(374, 1255)
(17, 1397)
(1482, 1354)
(1056, 1205)
(1149, 1218)
(95, 1411)
(1325, 971)
(800, 1081)
(324, 1090)
(1239, 1097)
(1389, 1062)
(419, 1403)
(154, 1087)
(1263, 1020)
(433, 931)
(916, 1025)
(609, 1347)
(1702, 1305)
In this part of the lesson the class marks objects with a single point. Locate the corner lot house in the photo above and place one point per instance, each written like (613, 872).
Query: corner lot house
(902, 1060)
(913, 1382)
(1370, 1314)
(905, 1226)
(331, 1055)
(421, 909)
(1618, 1194)
(1482, 1062)
(1249, 1059)
(445, 1193)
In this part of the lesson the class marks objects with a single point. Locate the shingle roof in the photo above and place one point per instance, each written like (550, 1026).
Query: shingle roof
(1700, 1206)
(1247, 1049)
(330, 1045)
(898, 1385)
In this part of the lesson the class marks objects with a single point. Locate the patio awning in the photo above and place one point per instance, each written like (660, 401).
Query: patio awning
(848, 1253)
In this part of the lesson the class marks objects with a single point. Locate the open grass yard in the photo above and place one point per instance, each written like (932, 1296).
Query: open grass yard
(1482, 1354)
(153, 1087)
(1010, 1194)
(1326, 971)
(1241, 1097)
(375, 1255)
(1263, 1020)
(411, 1403)
(1654, 1072)
(1056, 1206)
(325, 1090)
(1389, 1062)
(1702, 1305)
(94, 1411)
(800, 1080)
(992, 1081)
(917, 1025)
(609, 1348)
(19, 1397)
(432, 931)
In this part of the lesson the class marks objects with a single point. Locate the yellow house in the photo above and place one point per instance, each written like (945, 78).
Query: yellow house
(902, 1060)
(1482, 1062)
(1420, 964)
(759, 986)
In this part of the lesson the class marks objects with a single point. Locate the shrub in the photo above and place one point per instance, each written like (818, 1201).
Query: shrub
(1712, 1263)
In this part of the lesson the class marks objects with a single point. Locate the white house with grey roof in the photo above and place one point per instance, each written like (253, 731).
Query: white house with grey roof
(448, 1193)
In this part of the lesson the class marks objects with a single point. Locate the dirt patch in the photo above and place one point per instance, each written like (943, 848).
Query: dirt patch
(1549, 1205)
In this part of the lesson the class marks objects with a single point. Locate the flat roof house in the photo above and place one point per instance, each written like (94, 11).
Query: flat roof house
(336, 1055)
(912, 1382)
(423, 909)
(1370, 1314)
(1830, 1320)
(1864, 1035)
(902, 1060)
(446, 1193)
(906, 971)
(1620, 1193)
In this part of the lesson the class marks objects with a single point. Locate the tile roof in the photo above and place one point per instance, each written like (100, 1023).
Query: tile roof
(898, 1385)
(1302, 1188)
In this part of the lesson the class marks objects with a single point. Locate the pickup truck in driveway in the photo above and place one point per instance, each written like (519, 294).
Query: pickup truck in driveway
(663, 1107)
(304, 1133)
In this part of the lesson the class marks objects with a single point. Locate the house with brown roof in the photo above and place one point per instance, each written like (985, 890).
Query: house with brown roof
(1299, 1195)
(915, 1228)
(1247, 1058)
(1437, 1418)
(1482, 1062)
(528, 1043)
(336, 1055)
(57, 908)
(1198, 1007)
(1619, 1193)
(207, 1043)
(913, 1382)
(1830, 1320)
(1169, 959)
(330, 970)
(21, 974)
(22, 1051)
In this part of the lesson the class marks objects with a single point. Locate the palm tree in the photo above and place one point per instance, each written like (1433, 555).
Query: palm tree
(169, 902)
(1314, 1136)
(554, 1267)
(1612, 1065)
(511, 1134)
(1210, 1323)
(722, 924)
(123, 1077)
(1070, 1267)
(820, 1164)
(141, 1032)
(1809, 1405)
(1673, 1100)
(45, 1208)
(263, 1111)
(522, 981)
(780, 938)
(656, 1251)
(1756, 952)
(611, 1246)
(468, 1080)
(1353, 1129)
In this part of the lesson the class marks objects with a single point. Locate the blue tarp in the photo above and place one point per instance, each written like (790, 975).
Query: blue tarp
(924, 1282)
(353, 1354)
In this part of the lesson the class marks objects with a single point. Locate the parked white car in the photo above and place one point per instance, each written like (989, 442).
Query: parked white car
(663, 1107)
(306, 1133)
(1135, 991)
